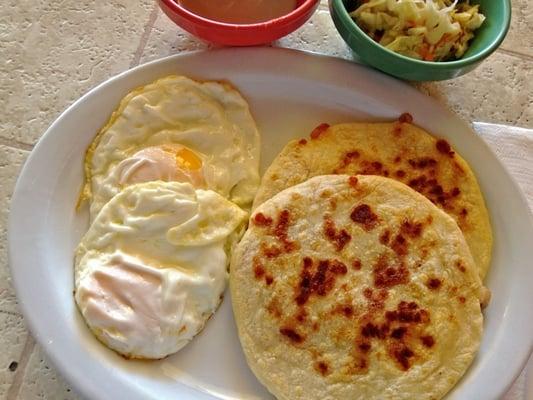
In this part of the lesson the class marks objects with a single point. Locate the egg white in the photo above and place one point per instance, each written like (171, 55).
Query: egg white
(211, 119)
(152, 267)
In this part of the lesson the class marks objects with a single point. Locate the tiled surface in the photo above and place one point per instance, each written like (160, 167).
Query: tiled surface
(42, 382)
(53, 52)
(11, 161)
(498, 91)
(519, 37)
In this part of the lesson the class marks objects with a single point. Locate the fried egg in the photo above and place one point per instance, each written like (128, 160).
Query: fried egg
(152, 268)
(176, 129)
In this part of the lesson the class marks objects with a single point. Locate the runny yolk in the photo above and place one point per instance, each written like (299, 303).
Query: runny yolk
(187, 159)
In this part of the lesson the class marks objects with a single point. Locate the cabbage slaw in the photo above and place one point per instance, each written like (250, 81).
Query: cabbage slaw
(429, 30)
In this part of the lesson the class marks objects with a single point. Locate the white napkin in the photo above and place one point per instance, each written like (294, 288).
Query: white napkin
(514, 147)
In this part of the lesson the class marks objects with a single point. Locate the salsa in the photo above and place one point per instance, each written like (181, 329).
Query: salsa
(239, 11)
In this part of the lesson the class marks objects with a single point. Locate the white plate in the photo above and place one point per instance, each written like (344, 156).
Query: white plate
(289, 92)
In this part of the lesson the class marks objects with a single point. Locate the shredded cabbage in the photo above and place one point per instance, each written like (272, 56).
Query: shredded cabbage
(431, 30)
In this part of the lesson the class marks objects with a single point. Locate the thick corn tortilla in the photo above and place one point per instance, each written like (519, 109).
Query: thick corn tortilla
(355, 288)
(401, 151)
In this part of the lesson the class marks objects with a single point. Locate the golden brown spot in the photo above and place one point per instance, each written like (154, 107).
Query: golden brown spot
(260, 219)
(281, 231)
(363, 214)
(399, 245)
(270, 251)
(348, 158)
(302, 142)
(397, 159)
(269, 279)
(407, 313)
(356, 264)
(364, 347)
(428, 341)
(422, 162)
(291, 334)
(387, 276)
(400, 173)
(402, 354)
(345, 309)
(318, 281)
(462, 299)
(406, 117)
(371, 330)
(411, 229)
(339, 238)
(259, 270)
(274, 307)
(397, 128)
(460, 266)
(301, 316)
(325, 194)
(322, 368)
(384, 237)
(319, 130)
(434, 283)
(444, 147)
(399, 333)
(352, 181)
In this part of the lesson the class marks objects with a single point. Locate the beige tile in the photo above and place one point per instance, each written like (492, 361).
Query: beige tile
(167, 38)
(11, 161)
(498, 91)
(54, 51)
(520, 36)
(41, 381)
(318, 35)
(12, 341)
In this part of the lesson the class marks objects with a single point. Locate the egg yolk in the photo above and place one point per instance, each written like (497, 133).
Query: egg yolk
(185, 158)
(165, 163)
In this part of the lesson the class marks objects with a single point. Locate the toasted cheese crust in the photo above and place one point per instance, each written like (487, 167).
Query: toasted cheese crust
(355, 287)
(398, 150)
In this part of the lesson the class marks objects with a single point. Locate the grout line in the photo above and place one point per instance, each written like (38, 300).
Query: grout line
(13, 313)
(528, 57)
(145, 35)
(14, 389)
(16, 144)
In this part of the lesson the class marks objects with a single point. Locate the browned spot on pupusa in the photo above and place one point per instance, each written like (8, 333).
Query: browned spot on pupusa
(434, 283)
(388, 274)
(363, 215)
(348, 158)
(317, 278)
(319, 131)
(274, 307)
(339, 237)
(261, 219)
(281, 231)
(291, 333)
(322, 368)
(444, 147)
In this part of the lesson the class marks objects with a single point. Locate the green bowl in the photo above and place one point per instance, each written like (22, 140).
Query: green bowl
(486, 40)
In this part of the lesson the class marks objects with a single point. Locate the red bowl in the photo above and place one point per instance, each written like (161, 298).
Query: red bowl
(239, 35)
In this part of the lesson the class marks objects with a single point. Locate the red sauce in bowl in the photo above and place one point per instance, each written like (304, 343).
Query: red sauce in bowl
(239, 11)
